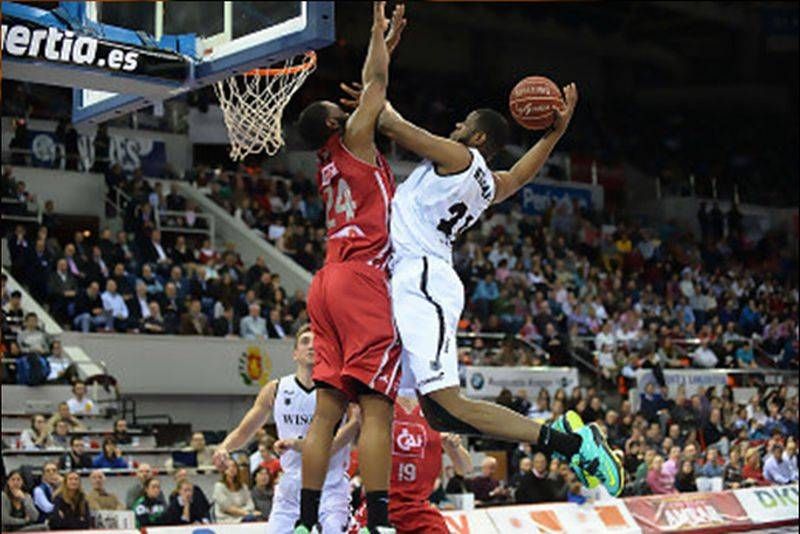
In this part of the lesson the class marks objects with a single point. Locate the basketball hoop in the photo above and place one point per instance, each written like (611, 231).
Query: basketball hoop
(253, 103)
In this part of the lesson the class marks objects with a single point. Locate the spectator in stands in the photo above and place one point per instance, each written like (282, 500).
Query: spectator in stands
(70, 506)
(263, 490)
(745, 358)
(535, 486)
(44, 492)
(115, 308)
(732, 472)
(143, 472)
(194, 322)
(776, 469)
(199, 447)
(198, 496)
(184, 508)
(64, 414)
(711, 468)
(253, 326)
(486, 488)
(753, 476)
(12, 311)
(89, 311)
(790, 456)
(150, 508)
(275, 329)
(37, 437)
(224, 326)
(232, 500)
(715, 434)
(138, 305)
(19, 512)
(154, 324)
(659, 483)
(704, 357)
(172, 308)
(61, 435)
(62, 368)
(110, 457)
(152, 251)
(76, 457)
(525, 466)
(685, 481)
(33, 339)
(120, 434)
(80, 404)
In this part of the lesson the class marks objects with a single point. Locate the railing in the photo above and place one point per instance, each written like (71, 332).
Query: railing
(209, 231)
(13, 203)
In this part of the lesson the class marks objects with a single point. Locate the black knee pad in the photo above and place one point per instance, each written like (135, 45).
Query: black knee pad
(443, 421)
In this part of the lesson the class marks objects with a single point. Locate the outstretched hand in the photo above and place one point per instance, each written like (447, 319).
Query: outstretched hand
(379, 20)
(396, 28)
(353, 92)
(564, 113)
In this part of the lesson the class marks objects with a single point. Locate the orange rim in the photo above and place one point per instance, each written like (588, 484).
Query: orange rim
(308, 63)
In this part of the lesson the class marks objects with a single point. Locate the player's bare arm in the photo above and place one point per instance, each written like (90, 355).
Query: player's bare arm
(529, 165)
(450, 156)
(359, 135)
(254, 419)
(462, 463)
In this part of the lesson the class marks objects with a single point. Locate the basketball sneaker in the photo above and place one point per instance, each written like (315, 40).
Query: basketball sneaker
(568, 423)
(379, 530)
(596, 458)
(301, 529)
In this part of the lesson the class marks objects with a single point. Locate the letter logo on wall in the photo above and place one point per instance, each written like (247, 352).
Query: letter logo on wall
(255, 366)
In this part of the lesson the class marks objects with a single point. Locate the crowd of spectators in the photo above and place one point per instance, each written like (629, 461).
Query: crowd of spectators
(136, 282)
(671, 444)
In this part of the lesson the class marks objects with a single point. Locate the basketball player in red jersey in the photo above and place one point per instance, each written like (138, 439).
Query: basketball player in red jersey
(357, 348)
(416, 464)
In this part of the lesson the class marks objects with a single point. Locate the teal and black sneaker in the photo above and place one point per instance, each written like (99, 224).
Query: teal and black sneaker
(379, 530)
(301, 529)
(568, 423)
(596, 458)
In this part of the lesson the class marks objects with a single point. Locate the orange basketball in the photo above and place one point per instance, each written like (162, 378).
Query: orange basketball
(533, 100)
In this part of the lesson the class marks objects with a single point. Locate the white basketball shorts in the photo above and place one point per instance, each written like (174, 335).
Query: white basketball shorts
(427, 301)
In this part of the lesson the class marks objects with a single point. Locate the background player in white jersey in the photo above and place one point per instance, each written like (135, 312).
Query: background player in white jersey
(292, 400)
(440, 199)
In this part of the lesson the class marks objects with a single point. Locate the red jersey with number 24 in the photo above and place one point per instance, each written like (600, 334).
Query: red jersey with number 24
(357, 198)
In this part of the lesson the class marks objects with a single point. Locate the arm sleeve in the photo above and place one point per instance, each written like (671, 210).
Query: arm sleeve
(8, 520)
(40, 499)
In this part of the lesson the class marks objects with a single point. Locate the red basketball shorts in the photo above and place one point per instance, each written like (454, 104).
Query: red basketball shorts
(355, 342)
(412, 518)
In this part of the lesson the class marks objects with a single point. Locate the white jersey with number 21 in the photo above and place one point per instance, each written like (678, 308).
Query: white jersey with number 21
(430, 210)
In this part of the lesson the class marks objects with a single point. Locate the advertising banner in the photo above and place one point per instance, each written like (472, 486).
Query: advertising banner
(536, 198)
(687, 512)
(131, 153)
(553, 518)
(468, 522)
(770, 504)
(490, 381)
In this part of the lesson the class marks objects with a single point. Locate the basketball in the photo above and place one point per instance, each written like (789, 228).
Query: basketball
(532, 102)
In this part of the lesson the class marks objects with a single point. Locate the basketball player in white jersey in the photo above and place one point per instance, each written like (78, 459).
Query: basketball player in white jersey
(443, 196)
(292, 400)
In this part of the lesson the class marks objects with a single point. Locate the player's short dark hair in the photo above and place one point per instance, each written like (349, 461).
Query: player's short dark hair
(312, 125)
(495, 126)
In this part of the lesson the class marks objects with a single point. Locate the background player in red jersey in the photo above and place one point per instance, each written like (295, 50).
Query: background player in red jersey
(355, 341)
(416, 464)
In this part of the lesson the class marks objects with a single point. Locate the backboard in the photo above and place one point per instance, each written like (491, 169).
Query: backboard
(124, 56)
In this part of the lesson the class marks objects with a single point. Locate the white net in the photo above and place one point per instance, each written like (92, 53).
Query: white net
(253, 104)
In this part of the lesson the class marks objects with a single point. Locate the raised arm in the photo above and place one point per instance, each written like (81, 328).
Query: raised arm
(450, 156)
(462, 463)
(359, 135)
(254, 419)
(529, 165)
